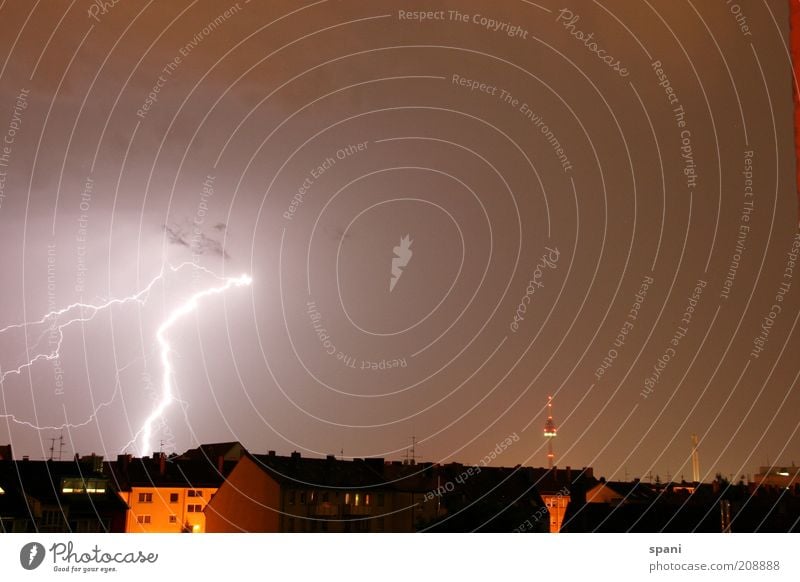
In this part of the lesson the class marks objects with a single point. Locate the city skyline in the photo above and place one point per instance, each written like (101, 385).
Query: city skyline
(362, 228)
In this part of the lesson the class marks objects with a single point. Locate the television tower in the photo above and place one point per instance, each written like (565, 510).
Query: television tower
(695, 460)
(550, 432)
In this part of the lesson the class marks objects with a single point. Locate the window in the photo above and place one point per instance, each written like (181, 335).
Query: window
(302, 497)
(325, 497)
(358, 499)
(2, 492)
(291, 497)
(380, 499)
(347, 499)
(78, 485)
(142, 519)
(173, 519)
(195, 493)
(51, 518)
(195, 508)
(367, 499)
(173, 498)
(145, 498)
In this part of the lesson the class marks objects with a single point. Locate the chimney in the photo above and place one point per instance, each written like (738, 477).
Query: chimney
(271, 453)
(123, 461)
(161, 458)
(295, 455)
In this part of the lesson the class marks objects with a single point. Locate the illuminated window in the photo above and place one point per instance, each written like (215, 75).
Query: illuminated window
(145, 498)
(2, 491)
(143, 519)
(366, 499)
(347, 499)
(358, 499)
(78, 485)
(173, 498)
(173, 519)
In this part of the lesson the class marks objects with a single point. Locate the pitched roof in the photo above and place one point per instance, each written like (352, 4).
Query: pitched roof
(127, 472)
(230, 451)
(331, 473)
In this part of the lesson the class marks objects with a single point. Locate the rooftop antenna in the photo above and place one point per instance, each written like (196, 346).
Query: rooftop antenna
(411, 452)
(550, 433)
(53, 440)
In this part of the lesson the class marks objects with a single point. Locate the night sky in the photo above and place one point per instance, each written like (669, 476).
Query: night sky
(597, 199)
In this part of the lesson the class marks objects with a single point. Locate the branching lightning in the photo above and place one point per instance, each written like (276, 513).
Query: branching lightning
(167, 395)
(87, 312)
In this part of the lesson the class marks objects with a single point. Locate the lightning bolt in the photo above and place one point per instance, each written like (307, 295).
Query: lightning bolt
(93, 310)
(32, 554)
(89, 311)
(167, 396)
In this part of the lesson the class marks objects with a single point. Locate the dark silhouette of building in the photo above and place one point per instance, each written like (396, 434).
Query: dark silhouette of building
(684, 507)
(169, 494)
(273, 493)
(488, 499)
(58, 497)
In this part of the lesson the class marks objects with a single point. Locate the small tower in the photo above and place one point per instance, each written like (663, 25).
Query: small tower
(695, 460)
(550, 432)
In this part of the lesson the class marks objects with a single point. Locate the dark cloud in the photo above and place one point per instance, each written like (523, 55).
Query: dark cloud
(192, 237)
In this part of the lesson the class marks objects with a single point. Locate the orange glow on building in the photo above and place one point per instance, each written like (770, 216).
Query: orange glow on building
(166, 509)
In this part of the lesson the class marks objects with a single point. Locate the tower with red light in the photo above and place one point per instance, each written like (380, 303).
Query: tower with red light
(550, 433)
